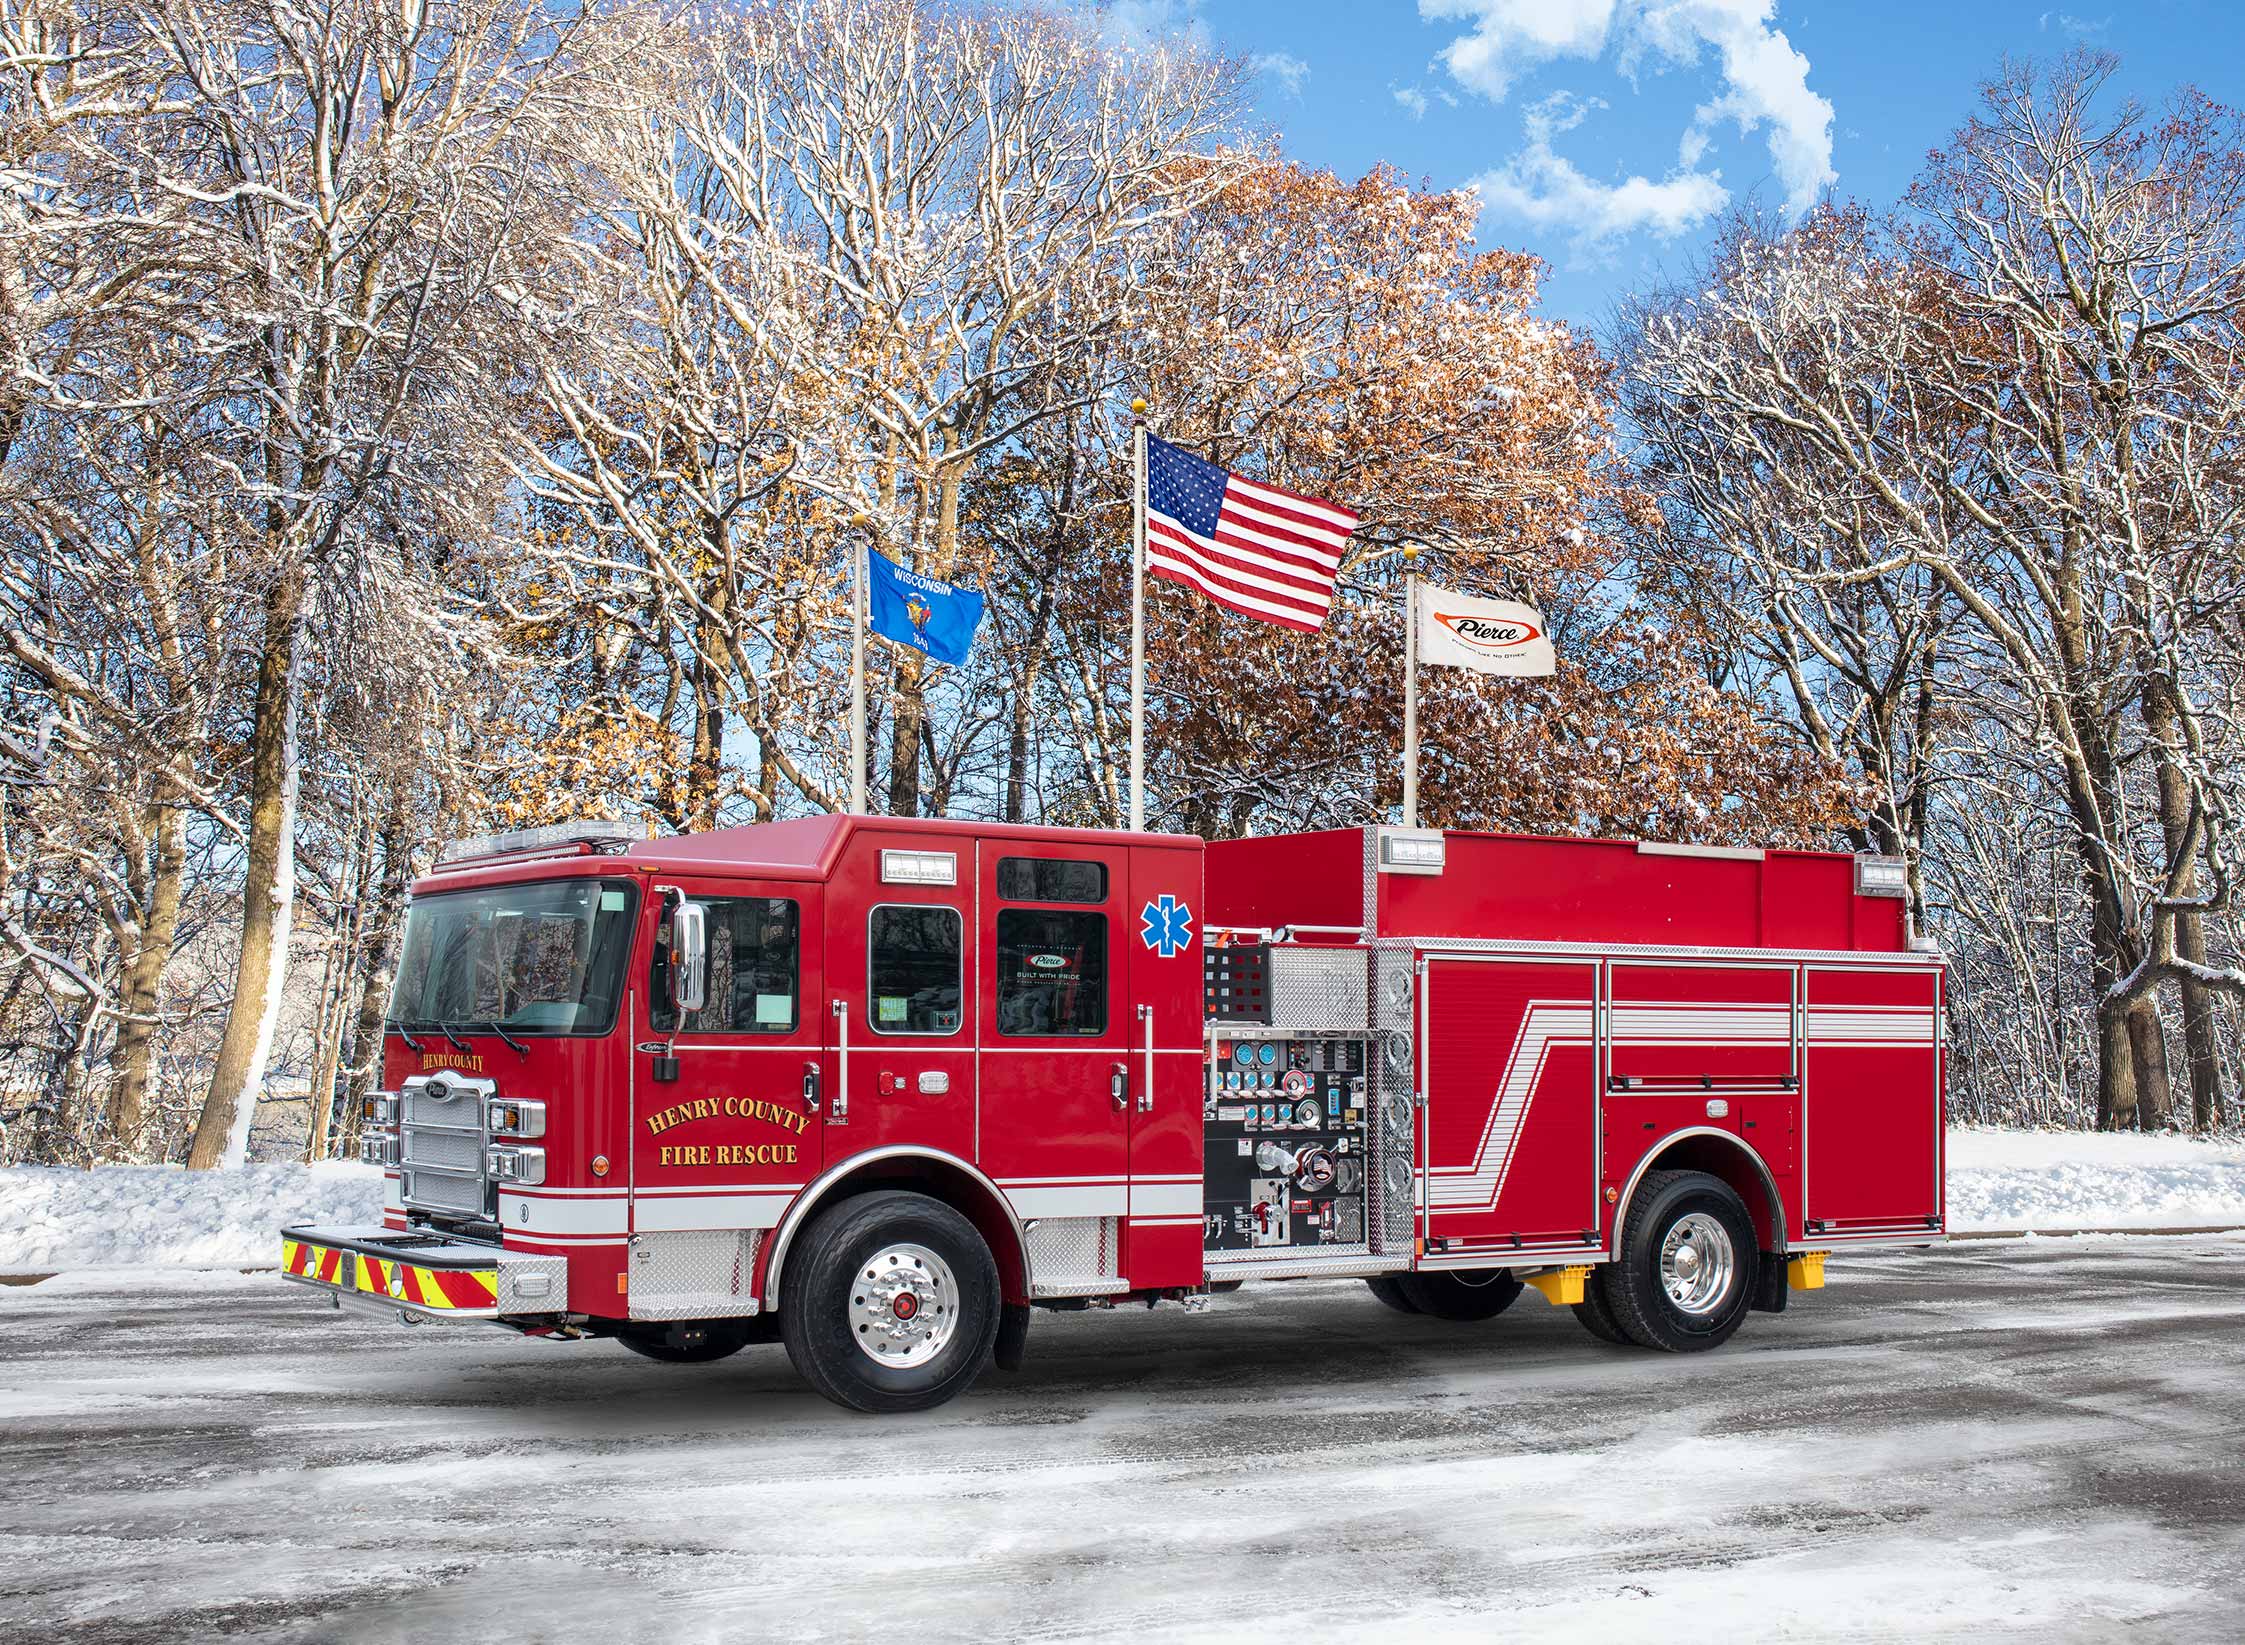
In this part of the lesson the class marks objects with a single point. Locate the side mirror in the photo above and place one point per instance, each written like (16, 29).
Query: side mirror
(689, 957)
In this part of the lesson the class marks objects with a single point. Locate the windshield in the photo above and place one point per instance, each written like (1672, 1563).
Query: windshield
(546, 958)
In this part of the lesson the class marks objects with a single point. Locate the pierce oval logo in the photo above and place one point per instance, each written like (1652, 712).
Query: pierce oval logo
(1484, 634)
(1049, 962)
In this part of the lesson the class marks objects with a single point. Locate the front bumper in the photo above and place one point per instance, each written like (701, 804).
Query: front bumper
(422, 1276)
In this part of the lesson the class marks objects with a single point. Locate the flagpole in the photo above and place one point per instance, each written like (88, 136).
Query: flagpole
(1411, 685)
(1138, 615)
(860, 524)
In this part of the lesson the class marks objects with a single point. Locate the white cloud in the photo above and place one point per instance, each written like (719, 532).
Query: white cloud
(1413, 100)
(1764, 79)
(2074, 28)
(1541, 187)
(1284, 67)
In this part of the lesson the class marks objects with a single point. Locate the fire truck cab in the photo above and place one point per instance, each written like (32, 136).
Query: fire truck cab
(878, 1088)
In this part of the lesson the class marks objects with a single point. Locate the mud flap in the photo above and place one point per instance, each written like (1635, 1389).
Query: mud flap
(1013, 1334)
(1770, 1290)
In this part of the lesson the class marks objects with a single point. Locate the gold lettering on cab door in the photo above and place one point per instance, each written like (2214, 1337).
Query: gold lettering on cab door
(706, 1108)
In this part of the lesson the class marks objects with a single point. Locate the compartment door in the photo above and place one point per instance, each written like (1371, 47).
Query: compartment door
(1510, 1064)
(1871, 1120)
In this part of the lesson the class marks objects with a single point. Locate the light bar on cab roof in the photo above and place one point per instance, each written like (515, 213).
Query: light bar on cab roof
(592, 831)
(1412, 850)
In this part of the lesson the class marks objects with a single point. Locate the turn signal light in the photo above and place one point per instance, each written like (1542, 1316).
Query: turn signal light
(510, 1118)
(379, 1108)
(526, 1166)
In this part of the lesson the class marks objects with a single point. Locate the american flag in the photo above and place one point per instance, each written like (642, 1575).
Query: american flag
(1252, 548)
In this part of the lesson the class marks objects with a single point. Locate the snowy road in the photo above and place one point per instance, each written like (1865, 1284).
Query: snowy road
(2035, 1440)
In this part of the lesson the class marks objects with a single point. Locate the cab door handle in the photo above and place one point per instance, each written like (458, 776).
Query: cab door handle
(1118, 1085)
(810, 1088)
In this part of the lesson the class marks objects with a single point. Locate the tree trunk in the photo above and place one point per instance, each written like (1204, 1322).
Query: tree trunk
(2201, 1047)
(2116, 1077)
(2147, 1044)
(268, 887)
(377, 954)
(134, 1056)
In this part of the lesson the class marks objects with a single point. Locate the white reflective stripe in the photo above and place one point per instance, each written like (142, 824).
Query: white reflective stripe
(537, 1215)
(1544, 1024)
(1103, 1178)
(685, 1213)
(1164, 1199)
(1167, 1222)
(1872, 1026)
(393, 1192)
(1105, 1200)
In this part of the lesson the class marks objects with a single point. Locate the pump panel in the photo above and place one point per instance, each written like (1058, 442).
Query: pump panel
(1286, 1124)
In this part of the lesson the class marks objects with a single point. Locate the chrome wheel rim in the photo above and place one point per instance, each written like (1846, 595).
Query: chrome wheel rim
(904, 1305)
(1697, 1264)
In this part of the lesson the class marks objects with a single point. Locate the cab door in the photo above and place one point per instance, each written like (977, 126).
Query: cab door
(900, 946)
(1058, 1080)
(724, 1125)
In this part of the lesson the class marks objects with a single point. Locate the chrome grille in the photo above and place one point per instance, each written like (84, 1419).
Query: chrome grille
(440, 1191)
(441, 1143)
(446, 1150)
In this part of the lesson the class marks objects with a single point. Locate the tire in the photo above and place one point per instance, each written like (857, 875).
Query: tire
(1388, 1289)
(1597, 1315)
(844, 1313)
(690, 1342)
(1462, 1294)
(1695, 1299)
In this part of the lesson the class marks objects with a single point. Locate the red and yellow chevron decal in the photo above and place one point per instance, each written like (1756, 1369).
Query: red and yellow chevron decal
(441, 1290)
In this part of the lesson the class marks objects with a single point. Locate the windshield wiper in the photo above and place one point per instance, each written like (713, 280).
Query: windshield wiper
(458, 1044)
(397, 1026)
(490, 1025)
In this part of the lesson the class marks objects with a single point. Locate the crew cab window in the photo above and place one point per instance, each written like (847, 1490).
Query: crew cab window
(755, 944)
(914, 975)
(1052, 973)
(1051, 879)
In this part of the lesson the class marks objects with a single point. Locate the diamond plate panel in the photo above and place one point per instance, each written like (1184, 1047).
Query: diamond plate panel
(1074, 1256)
(1318, 988)
(706, 1274)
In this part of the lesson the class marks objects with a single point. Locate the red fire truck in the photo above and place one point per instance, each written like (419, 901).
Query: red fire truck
(879, 1088)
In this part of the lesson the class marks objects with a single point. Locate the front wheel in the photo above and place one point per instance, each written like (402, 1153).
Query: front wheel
(1461, 1293)
(891, 1303)
(1688, 1256)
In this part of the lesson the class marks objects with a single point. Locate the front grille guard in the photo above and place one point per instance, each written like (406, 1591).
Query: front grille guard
(440, 1117)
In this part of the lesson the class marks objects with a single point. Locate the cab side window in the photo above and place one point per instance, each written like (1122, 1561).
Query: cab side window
(914, 975)
(1052, 973)
(755, 946)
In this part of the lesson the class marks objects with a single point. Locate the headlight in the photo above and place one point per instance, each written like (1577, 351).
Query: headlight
(509, 1118)
(380, 1109)
(378, 1148)
(526, 1166)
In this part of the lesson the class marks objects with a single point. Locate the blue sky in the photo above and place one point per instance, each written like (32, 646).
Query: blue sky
(1604, 133)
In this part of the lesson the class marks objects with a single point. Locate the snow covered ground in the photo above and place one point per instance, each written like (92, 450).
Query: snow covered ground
(128, 1216)
(2084, 1179)
(2010, 1441)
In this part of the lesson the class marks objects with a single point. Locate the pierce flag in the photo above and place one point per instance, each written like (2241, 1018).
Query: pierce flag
(1488, 636)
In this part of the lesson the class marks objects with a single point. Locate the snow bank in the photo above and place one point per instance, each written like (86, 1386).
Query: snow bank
(2086, 1179)
(132, 1215)
(120, 1216)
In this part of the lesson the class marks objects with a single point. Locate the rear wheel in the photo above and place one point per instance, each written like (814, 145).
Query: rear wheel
(1688, 1256)
(1388, 1288)
(1461, 1294)
(891, 1303)
(1597, 1316)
